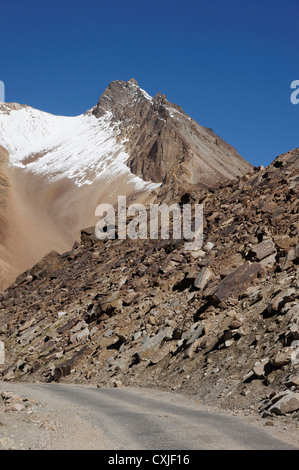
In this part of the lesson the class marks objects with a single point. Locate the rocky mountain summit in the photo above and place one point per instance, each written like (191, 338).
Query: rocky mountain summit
(164, 144)
(221, 322)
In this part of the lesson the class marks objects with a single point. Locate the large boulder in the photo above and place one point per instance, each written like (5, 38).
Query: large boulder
(233, 285)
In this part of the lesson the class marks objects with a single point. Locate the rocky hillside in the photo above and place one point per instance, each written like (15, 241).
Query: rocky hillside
(221, 322)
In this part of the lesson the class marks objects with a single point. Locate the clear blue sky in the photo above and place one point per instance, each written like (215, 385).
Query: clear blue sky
(229, 64)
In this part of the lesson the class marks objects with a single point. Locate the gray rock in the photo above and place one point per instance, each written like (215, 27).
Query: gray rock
(262, 250)
(288, 403)
(151, 345)
(2, 352)
(191, 335)
(261, 368)
(203, 278)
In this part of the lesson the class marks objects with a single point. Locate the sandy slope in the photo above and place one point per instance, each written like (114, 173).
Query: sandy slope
(40, 216)
(56, 173)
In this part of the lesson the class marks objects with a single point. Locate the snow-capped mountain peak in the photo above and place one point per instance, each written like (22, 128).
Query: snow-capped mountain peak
(83, 148)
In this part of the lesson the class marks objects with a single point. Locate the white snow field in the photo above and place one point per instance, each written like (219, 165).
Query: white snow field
(82, 148)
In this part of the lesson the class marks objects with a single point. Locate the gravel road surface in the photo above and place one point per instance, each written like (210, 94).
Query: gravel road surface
(82, 417)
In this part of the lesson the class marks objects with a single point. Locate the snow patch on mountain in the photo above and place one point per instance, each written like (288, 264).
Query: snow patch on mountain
(83, 148)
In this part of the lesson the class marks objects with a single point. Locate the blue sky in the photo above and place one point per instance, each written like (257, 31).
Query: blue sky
(228, 64)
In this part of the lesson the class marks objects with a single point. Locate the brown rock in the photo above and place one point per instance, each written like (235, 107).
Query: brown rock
(280, 299)
(235, 324)
(50, 263)
(236, 283)
(283, 241)
(110, 304)
(88, 236)
(282, 358)
(261, 368)
(293, 382)
(131, 298)
(262, 250)
(151, 345)
(161, 353)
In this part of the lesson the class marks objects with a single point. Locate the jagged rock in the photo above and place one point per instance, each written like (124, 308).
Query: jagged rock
(235, 284)
(262, 250)
(109, 305)
(203, 278)
(88, 236)
(282, 358)
(292, 334)
(50, 263)
(193, 348)
(284, 403)
(117, 384)
(262, 368)
(283, 241)
(163, 352)
(191, 335)
(131, 298)
(290, 258)
(150, 345)
(28, 335)
(268, 262)
(7, 376)
(198, 254)
(293, 382)
(280, 299)
(80, 335)
(208, 246)
(66, 368)
(235, 325)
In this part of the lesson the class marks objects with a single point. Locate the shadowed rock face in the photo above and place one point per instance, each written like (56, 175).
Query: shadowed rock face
(164, 144)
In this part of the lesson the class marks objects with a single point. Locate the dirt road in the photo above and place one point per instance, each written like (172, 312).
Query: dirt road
(81, 417)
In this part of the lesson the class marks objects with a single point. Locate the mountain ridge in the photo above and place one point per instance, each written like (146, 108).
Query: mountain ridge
(165, 144)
